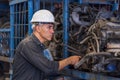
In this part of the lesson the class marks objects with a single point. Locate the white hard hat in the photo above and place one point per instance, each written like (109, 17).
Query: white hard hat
(43, 16)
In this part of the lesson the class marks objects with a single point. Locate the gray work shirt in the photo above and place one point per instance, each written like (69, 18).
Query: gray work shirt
(30, 62)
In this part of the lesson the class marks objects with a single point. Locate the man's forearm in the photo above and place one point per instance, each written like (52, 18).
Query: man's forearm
(64, 63)
(70, 60)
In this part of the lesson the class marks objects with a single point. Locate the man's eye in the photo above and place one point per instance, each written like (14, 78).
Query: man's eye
(50, 27)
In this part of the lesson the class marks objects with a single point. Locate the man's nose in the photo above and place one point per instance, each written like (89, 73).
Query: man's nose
(52, 30)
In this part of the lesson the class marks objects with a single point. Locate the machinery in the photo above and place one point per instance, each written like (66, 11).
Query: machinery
(89, 30)
(93, 34)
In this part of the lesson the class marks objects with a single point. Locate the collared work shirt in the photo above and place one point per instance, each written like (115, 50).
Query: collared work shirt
(30, 62)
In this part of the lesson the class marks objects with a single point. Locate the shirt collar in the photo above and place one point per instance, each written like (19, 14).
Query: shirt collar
(36, 40)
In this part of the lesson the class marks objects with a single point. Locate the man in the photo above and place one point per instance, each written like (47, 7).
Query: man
(30, 62)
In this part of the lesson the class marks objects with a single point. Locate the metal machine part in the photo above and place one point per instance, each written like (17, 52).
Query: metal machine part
(111, 33)
(93, 31)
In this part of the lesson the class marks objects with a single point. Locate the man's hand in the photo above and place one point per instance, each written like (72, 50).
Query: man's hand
(69, 61)
(73, 59)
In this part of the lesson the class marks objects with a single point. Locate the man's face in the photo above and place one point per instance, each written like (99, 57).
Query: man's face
(46, 31)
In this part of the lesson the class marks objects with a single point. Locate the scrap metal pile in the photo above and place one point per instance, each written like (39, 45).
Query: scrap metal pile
(94, 34)
(4, 35)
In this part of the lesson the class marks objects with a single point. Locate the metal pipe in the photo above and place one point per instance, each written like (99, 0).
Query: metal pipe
(37, 5)
(12, 2)
(115, 6)
(24, 21)
(11, 36)
(30, 13)
(19, 22)
(80, 1)
(15, 23)
(91, 55)
(65, 26)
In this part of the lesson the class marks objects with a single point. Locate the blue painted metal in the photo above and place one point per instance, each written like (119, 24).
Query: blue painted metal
(91, 76)
(24, 19)
(30, 13)
(18, 26)
(48, 54)
(80, 1)
(37, 5)
(12, 2)
(43, 4)
(100, 3)
(11, 36)
(22, 22)
(4, 30)
(4, 6)
(13, 17)
(95, 2)
(19, 21)
(115, 7)
(11, 30)
(15, 22)
(65, 26)
(52, 7)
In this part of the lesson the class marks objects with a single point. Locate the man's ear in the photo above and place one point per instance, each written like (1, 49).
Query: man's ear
(37, 28)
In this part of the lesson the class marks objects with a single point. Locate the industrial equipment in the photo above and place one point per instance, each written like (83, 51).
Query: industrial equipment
(89, 28)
